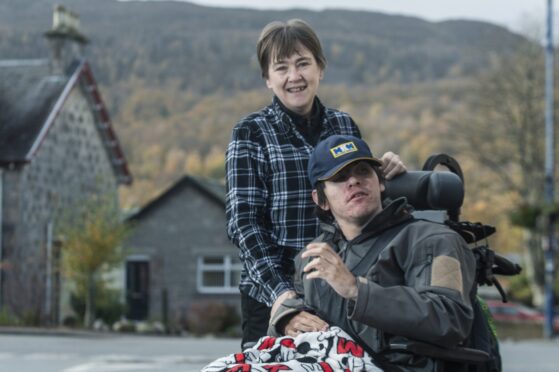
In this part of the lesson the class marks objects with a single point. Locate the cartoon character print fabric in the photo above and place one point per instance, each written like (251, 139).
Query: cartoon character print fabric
(328, 351)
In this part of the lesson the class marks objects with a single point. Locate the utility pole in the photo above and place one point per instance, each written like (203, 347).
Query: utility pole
(549, 241)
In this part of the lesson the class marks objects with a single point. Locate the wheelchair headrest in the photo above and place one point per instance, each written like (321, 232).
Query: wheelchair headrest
(428, 190)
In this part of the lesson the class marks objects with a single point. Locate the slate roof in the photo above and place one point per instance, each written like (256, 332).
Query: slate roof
(30, 100)
(212, 189)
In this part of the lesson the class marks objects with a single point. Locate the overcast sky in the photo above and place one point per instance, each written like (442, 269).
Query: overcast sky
(509, 13)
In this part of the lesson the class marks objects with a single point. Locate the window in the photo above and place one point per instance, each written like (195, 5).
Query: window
(218, 274)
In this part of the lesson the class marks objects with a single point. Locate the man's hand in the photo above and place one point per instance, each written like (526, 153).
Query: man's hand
(304, 322)
(327, 265)
(392, 165)
(282, 297)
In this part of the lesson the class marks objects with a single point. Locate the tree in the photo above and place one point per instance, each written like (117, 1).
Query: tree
(503, 130)
(92, 247)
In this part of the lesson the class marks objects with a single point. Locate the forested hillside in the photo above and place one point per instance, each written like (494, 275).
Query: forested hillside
(206, 49)
(177, 77)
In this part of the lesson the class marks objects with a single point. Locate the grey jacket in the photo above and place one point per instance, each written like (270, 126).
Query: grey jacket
(414, 280)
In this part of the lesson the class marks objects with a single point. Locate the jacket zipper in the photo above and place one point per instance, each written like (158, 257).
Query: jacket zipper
(425, 265)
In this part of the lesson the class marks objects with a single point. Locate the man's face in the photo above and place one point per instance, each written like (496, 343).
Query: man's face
(294, 80)
(353, 194)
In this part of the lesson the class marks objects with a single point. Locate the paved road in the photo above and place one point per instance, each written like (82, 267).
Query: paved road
(108, 353)
(534, 356)
(124, 353)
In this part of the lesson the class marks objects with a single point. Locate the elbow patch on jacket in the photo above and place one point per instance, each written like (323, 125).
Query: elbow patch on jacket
(446, 272)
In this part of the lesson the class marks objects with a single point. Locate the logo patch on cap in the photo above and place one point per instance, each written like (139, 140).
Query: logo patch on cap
(343, 149)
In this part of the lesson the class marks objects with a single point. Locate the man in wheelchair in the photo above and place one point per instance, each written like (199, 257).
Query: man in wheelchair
(403, 288)
(375, 271)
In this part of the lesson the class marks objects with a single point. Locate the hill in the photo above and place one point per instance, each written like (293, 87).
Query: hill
(177, 76)
(206, 49)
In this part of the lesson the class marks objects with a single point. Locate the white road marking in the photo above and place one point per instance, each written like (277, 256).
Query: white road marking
(50, 356)
(110, 367)
(119, 363)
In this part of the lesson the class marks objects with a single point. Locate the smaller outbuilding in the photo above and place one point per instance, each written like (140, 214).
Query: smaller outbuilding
(180, 257)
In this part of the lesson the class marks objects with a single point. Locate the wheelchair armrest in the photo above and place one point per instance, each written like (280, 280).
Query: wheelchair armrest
(458, 354)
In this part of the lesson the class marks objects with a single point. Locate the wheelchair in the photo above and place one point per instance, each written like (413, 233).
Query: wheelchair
(438, 196)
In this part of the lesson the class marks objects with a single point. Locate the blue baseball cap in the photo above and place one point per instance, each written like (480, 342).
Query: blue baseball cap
(335, 153)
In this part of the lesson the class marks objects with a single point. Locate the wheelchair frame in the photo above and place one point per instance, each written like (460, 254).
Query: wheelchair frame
(429, 190)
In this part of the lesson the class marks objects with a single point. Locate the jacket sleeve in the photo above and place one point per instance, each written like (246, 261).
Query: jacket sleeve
(434, 303)
(290, 306)
(246, 204)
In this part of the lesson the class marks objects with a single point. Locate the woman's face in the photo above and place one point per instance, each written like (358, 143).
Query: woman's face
(295, 80)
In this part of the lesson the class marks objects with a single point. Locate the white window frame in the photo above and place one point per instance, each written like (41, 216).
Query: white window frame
(227, 267)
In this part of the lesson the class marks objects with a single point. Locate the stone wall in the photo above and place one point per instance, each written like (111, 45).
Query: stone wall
(70, 164)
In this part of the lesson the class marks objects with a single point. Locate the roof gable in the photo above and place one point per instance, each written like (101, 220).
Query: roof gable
(212, 190)
(30, 101)
(27, 95)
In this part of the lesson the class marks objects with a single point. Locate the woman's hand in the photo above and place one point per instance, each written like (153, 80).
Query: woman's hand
(392, 165)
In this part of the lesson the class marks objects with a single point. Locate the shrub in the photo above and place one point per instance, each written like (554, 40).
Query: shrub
(519, 289)
(8, 319)
(210, 317)
(31, 318)
(70, 321)
(107, 305)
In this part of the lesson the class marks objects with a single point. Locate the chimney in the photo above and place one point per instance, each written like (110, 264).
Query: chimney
(66, 41)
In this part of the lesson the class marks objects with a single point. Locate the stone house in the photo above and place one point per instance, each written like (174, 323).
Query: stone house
(180, 254)
(57, 146)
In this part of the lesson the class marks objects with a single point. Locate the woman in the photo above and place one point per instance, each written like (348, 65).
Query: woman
(268, 205)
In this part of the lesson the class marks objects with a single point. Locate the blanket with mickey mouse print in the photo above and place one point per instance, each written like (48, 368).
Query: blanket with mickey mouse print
(327, 351)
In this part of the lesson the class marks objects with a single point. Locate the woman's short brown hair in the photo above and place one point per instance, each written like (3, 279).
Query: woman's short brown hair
(279, 40)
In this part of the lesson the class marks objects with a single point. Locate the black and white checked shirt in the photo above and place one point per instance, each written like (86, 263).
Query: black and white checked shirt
(270, 212)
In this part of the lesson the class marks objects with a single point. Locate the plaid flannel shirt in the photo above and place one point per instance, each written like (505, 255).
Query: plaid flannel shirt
(270, 212)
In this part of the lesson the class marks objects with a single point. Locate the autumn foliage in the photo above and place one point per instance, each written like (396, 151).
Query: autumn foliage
(91, 247)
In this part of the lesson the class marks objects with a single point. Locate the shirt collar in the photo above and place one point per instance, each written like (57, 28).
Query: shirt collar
(297, 119)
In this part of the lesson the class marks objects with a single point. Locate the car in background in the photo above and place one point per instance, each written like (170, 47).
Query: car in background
(516, 312)
(512, 311)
